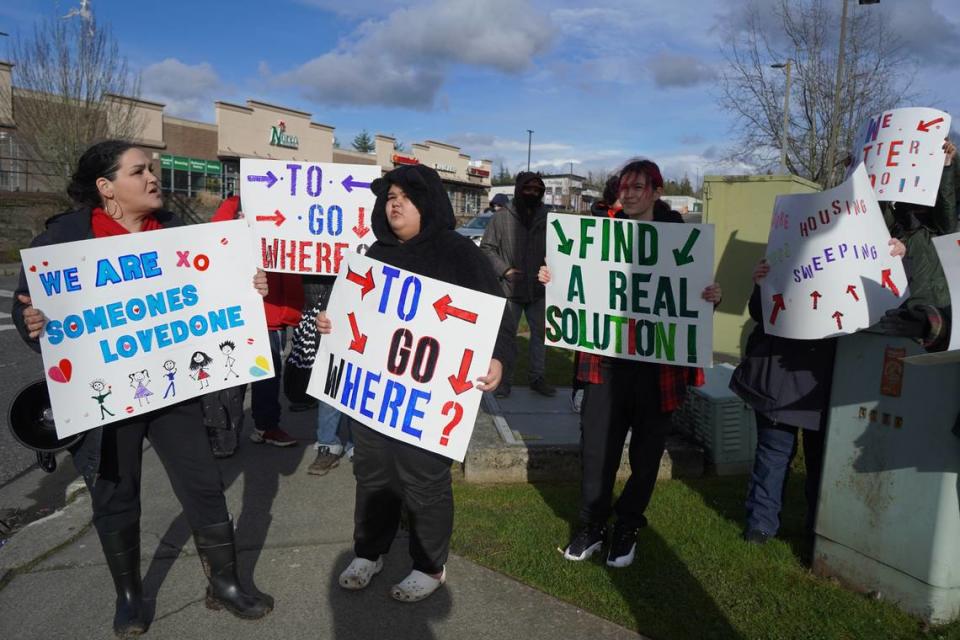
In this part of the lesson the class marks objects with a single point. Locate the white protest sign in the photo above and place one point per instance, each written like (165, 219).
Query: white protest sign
(307, 216)
(902, 152)
(948, 249)
(831, 272)
(405, 354)
(630, 289)
(142, 321)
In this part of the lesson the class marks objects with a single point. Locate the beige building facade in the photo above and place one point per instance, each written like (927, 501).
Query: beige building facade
(200, 158)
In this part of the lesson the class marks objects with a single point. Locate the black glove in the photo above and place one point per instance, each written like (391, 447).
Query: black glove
(906, 323)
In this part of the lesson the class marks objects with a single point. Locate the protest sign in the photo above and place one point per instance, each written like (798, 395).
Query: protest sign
(831, 272)
(405, 354)
(948, 248)
(141, 321)
(307, 216)
(902, 152)
(630, 289)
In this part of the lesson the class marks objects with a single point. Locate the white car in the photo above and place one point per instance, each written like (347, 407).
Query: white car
(475, 227)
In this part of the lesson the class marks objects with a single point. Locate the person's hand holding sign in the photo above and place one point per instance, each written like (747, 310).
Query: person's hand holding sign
(33, 318)
(260, 283)
(950, 150)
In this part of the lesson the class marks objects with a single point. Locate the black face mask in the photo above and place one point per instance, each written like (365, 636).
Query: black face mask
(530, 200)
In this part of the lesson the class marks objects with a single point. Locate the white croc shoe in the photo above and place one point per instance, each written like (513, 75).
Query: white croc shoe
(417, 586)
(360, 572)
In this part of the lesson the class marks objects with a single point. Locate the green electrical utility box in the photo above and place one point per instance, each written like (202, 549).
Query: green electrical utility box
(740, 209)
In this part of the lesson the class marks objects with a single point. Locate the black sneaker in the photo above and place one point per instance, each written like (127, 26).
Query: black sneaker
(623, 546)
(756, 536)
(540, 386)
(585, 542)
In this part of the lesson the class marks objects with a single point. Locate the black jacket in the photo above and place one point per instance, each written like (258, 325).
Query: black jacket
(437, 251)
(69, 227)
(786, 380)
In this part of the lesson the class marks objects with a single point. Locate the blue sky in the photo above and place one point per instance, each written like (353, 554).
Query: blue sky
(597, 83)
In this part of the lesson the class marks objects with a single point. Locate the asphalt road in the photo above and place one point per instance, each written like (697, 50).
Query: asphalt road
(19, 365)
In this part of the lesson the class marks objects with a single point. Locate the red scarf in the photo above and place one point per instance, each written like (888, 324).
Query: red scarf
(104, 226)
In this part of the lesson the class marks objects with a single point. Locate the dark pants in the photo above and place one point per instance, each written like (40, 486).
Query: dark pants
(537, 351)
(389, 474)
(776, 447)
(628, 398)
(265, 394)
(178, 437)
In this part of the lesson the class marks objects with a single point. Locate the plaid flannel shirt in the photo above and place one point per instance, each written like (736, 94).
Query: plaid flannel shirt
(673, 379)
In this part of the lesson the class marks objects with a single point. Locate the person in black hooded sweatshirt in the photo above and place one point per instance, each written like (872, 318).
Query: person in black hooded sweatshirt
(413, 222)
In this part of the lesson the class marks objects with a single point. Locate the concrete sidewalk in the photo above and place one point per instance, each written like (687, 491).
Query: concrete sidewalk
(294, 532)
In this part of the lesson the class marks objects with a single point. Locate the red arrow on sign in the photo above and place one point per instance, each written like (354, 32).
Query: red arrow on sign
(852, 290)
(359, 342)
(925, 126)
(459, 382)
(886, 282)
(778, 306)
(365, 282)
(444, 309)
(277, 218)
(816, 296)
(360, 229)
(836, 316)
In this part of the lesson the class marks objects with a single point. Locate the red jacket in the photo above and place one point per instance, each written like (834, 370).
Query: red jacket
(285, 299)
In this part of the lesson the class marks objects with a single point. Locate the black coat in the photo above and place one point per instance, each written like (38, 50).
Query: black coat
(69, 227)
(786, 380)
(437, 251)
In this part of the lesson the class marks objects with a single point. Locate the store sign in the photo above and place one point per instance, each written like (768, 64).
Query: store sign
(399, 159)
(280, 138)
(446, 168)
(474, 171)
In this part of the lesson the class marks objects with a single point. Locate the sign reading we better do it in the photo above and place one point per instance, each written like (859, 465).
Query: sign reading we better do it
(831, 272)
(142, 321)
(405, 354)
(902, 152)
(307, 216)
(630, 289)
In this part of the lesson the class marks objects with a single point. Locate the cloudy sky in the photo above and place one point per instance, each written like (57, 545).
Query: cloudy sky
(597, 85)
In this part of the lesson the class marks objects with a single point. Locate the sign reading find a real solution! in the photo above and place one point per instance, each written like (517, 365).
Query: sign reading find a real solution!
(145, 320)
(405, 354)
(630, 289)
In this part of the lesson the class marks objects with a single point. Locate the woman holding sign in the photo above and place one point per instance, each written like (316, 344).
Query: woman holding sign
(117, 193)
(413, 222)
(621, 396)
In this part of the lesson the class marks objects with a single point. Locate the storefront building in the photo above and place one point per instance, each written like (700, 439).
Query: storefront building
(202, 160)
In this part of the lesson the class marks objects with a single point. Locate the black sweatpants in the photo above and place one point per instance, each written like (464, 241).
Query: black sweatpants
(391, 473)
(180, 440)
(628, 398)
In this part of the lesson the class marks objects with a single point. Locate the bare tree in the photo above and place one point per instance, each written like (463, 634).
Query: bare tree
(877, 75)
(71, 89)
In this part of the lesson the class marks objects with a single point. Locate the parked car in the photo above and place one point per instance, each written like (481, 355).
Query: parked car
(475, 227)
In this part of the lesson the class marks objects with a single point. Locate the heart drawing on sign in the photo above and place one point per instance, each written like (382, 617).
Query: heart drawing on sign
(62, 372)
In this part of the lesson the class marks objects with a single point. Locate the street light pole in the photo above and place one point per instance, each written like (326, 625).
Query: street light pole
(786, 115)
(835, 115)
(529, 143)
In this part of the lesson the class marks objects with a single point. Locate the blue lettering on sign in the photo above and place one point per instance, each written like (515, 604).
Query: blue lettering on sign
(314, 180)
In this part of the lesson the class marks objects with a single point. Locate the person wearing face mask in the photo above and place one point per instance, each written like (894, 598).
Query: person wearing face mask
(515, 241)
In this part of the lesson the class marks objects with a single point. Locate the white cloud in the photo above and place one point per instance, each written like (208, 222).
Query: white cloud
(187, 90)
(404, 59)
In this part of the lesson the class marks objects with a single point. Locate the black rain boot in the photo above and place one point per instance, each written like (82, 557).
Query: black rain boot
(122, 551)
(218, 554)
